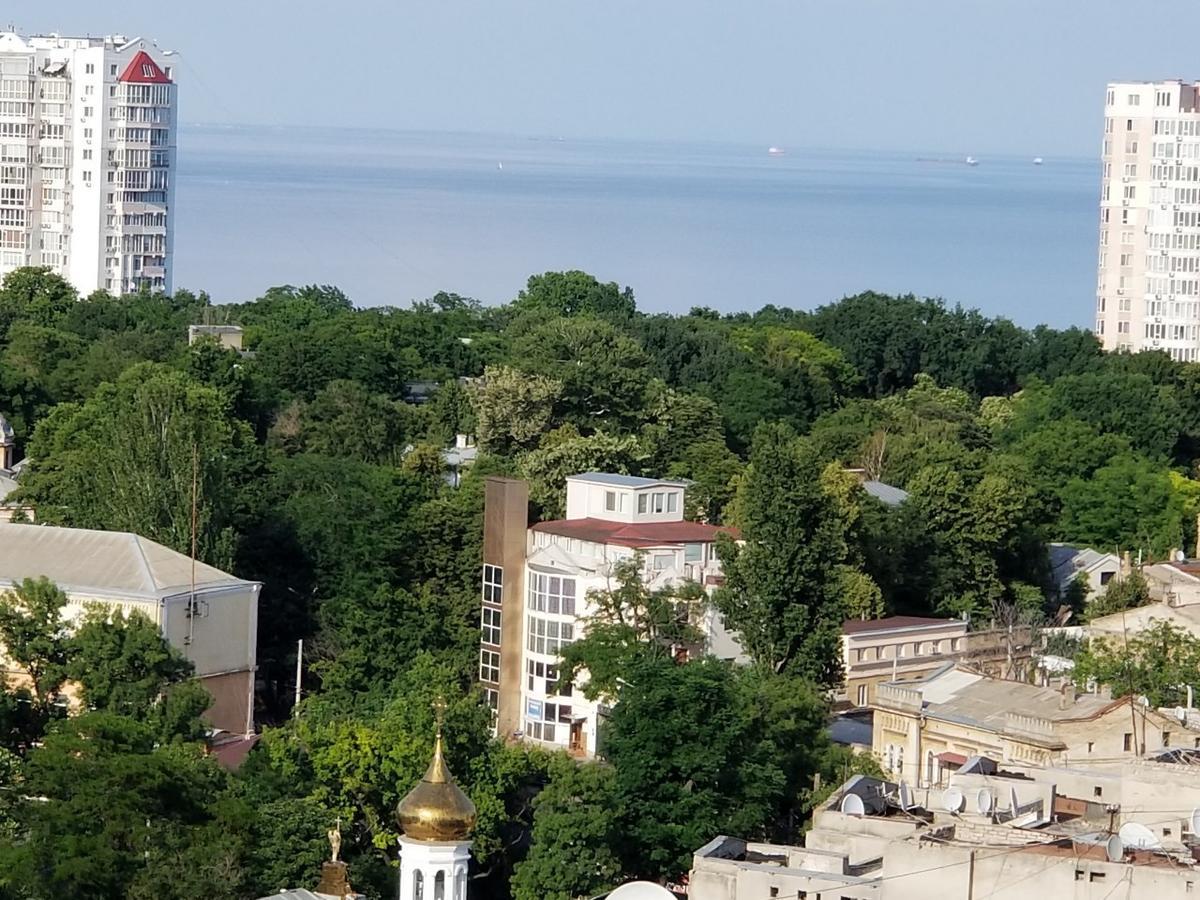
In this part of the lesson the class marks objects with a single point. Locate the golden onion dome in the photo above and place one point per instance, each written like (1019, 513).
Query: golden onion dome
(436, 809)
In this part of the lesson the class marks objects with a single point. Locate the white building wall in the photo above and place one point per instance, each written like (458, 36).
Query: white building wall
(1148, 286)
(70, 166)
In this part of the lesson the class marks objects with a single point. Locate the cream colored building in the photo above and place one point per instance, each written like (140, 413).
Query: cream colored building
(1012, 835)
(897, 648)
(925, 729)
(1148, 289)
(210, 616)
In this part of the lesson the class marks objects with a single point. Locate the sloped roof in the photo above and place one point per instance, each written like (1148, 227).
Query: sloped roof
(104, 563)
(143, 70)
(1136, 620)
(885, 493)
(894, 623)
(625, 481)
(956, 694)
(635, 534)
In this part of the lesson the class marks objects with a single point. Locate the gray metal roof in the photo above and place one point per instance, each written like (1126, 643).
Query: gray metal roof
(102, 563)
(885, 493)
(625, 481)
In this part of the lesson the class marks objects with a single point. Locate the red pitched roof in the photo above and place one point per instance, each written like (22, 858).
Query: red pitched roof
(635, 534)
(857, 626)
(143, 70)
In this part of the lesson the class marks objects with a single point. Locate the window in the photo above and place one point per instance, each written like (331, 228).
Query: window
(1079, 874)
(87, 154)
(1166, 739)
(610, 501)
(672, 502)
(489, 666)
(663, 561)
(1097, 791)
(1128, 741)
(89, 68)
(1091, 746)
(862, 695)
(493, 583)
(551, 594)
(643, 501)
(1134, 100)
(89, 110)
(659, 502)
(1095, 876)
(548, 636)
(693, 553)
(112, 70)
(491, 626)
(147, 70)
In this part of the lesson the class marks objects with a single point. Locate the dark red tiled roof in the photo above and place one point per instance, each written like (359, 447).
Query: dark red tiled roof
(635, 534)
(143, 70)
(856, 626)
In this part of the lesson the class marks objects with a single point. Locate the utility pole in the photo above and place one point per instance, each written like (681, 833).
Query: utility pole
(299, 672)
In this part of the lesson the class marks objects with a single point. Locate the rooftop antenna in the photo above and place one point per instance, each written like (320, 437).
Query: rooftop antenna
(952, 800)
(983, 802)
(852, 805)
(1114, 848)
(1138, 836)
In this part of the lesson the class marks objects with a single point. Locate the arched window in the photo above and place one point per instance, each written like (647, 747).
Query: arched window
(929, 763)
(439, 885)
(418, 885)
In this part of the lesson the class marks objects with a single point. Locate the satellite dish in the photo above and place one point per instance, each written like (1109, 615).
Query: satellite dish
(641, 890)
(1115, 848)
(983, 802)
(952, 800)
(905, 797)
(852, 805)
(1138, 837)
(1195, 821)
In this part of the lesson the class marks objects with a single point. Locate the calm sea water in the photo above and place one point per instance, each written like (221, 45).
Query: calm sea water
(395, 216)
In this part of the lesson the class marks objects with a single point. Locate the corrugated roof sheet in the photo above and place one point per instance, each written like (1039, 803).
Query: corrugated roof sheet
(100, 562)
(627, 481)
(885, 493)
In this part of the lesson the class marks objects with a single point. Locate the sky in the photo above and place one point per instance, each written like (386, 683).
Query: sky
(961, 76)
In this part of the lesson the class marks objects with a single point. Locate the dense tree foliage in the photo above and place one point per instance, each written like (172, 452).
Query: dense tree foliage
(308, 462)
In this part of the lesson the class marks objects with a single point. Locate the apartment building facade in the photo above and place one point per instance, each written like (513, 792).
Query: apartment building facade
(1148, 288)
(87, 159)
(535, 591)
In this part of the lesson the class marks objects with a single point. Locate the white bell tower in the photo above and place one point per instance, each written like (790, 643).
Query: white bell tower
(436, 819)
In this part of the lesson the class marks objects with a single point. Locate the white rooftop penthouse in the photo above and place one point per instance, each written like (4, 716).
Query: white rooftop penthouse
(624, 498)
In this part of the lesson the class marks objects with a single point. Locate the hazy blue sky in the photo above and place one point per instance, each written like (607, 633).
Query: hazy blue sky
(963, 76)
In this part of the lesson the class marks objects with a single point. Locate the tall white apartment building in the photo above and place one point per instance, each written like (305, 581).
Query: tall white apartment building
(87, 159)
(1148, 291)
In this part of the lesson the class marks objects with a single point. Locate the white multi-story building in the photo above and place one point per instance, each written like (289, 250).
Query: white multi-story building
(87, 160)
(1148, 291)
(536, 584)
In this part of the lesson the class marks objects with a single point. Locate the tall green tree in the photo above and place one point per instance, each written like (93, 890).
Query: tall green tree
(575, 835)
(133, 456)
(781, 592)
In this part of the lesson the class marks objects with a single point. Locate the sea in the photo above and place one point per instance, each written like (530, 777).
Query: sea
(396, 216)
